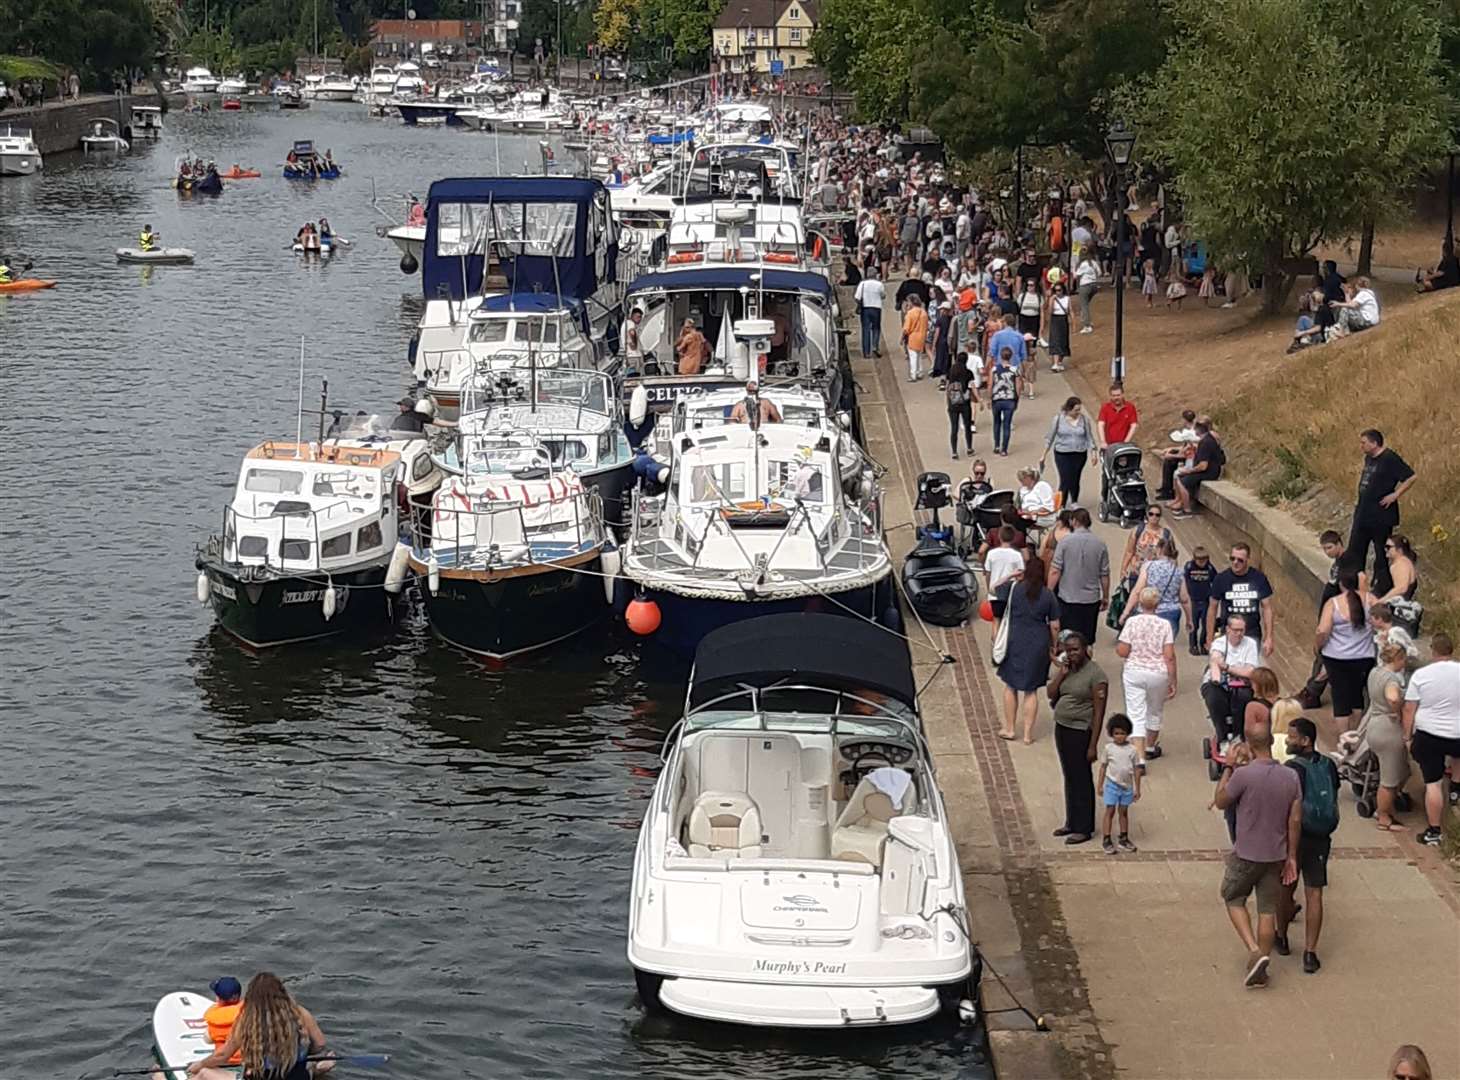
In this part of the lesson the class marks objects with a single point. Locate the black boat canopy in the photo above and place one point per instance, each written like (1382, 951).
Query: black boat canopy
(834, 652)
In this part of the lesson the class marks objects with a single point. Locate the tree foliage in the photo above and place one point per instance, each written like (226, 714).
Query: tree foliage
(1285, 126)
(98, 38)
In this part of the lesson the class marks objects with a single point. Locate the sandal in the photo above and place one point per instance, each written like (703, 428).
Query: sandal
(1007, 738)
(1392, 826)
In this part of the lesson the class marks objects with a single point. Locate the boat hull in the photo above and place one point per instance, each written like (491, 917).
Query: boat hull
(413, 114)
(506, 615)
(284, 610)
(12, 164)
(685, 620)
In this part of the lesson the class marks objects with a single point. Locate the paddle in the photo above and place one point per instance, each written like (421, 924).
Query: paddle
(367, 1061)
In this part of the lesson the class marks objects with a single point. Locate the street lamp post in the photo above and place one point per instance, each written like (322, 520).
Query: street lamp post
(1120, 142)
(1450, 201)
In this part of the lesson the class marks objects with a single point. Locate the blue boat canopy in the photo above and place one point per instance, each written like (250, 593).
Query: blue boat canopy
(674, 139)
(547, 233)
(732, 277)
(535, 304)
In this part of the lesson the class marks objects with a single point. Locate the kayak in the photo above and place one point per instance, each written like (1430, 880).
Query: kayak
(156, 257)
(241, 174)
(179, 1033)
(27, 285)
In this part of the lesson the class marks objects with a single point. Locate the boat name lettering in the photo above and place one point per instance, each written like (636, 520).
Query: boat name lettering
(546, 588)
(225, 591)
(799, 967)
(314, 596)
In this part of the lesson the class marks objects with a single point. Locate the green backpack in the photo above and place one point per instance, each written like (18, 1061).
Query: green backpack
(1320, 794)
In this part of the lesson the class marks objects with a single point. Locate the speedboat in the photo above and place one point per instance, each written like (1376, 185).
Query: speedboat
(336, 87)
(408, 80)
(199, 80)
(511, 551)
(745, 519)
(103, 135)
(233, 86)
(18, 153)
(309, 534)
(146, 121)
(795, 866)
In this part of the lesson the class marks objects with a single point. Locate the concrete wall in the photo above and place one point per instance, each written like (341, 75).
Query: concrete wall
(58, 126)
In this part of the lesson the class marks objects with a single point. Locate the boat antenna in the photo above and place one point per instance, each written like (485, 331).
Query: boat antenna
(324, 399)
(299, 427)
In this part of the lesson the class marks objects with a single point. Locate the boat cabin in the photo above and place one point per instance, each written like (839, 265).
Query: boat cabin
(146, 121)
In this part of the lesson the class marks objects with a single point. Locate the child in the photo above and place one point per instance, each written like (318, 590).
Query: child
(1148, 282)
(1120, 781)
(1176, 288)
(1208, 288)
(1199, 574)
(221, 1016)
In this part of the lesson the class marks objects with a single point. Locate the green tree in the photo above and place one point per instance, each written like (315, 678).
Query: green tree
(1261, 118)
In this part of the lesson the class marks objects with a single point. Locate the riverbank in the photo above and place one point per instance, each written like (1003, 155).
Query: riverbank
(59, 124)
(1119, 953)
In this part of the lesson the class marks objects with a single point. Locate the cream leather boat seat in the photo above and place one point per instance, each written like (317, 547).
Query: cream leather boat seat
(861, 830)
(724, 824)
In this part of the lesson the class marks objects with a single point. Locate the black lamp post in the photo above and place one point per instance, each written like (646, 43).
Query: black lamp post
(1450, 200)
(1120, 143)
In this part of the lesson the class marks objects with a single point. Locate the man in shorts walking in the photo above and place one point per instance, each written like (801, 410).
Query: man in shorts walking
(1269, 806)
(1318, 788)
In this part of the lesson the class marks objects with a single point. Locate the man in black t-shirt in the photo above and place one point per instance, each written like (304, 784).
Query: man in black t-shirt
(1205, 465)
(1242, 590)
(913, 286)
(1385, 477)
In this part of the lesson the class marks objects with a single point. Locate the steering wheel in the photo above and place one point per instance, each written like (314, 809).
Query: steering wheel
(859, 770)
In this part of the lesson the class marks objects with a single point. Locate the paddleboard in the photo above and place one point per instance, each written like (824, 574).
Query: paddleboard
(157, 256)
(179, 1033)
(27, 285)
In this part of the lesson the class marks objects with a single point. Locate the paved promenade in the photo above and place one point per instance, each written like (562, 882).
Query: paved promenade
(1131, 957)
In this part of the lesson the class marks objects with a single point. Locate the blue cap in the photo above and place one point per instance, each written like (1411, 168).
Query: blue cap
(226, 989)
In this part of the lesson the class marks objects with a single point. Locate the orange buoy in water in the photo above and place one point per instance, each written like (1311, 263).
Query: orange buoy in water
(986, 610)
(642, 616)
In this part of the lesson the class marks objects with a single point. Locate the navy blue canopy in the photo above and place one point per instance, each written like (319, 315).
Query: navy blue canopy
(733, 277)
(536, 304)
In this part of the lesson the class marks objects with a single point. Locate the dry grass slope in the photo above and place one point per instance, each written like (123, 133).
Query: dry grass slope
(1292, 436)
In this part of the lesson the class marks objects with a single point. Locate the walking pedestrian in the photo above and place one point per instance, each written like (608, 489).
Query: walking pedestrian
(1080, 577)
(1119, 781)
(1118, 419)
(1345, 643)
(1409, 1063)
(1078, 692)
(871, 294)
(1005, 387)
(1148, 680)
(1269, 808)
(1383, 480)
(1034, 627)
(915, 336)
(1318, 795)
(1432, 729)
(1087, 284)
(961, 395)
(1072, 438)
(1242, 590)
(1197, 576)
(1057, 319)
(1383, 729)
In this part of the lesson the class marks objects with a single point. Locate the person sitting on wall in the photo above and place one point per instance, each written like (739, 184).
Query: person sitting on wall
(1444, 276)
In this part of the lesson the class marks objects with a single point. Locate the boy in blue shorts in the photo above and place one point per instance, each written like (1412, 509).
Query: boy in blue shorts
(1199, 574)
(1120, 781)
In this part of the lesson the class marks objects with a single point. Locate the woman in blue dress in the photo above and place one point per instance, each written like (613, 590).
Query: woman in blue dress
(1034, 627)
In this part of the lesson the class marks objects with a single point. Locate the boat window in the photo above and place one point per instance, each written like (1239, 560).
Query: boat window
(253, 547)
(462, 229)
(545, 228)
(296, 550)
(716, 483)
(273, 481)
(335, 546)
(488, 331)
(370, 537)
(566, 451)
(796, 480)
(543, 331)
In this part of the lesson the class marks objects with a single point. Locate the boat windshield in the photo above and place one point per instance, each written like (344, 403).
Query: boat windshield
(528, 330)
(495, 458)
(576, 388)
(807, 709)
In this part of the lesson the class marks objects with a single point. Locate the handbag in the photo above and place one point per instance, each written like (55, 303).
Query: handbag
(1118, 600)
(1001, 639)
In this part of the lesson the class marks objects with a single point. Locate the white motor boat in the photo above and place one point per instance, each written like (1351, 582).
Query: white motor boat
(408, 81)
(795, 867)
(103, 135)
(18, 153)
(233, 86)
(336, 88)
(199, 80)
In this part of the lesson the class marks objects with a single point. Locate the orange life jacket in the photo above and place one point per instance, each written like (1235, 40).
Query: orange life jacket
(220, 1019)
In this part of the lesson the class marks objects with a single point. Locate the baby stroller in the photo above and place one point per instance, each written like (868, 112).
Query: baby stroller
(1122, 486)
(978, 515)
(1359, 767)
(940, 586)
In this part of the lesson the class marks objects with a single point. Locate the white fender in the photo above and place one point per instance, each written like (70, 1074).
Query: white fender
(203, 587)
(638, 405)
(395, 573)
(433, 574)
(611, 562)
(329, 602)
(662, 476)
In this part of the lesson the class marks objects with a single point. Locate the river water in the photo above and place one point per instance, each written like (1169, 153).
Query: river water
(434, 855)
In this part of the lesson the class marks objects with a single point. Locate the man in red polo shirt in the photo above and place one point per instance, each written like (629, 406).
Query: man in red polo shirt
(1118, 419)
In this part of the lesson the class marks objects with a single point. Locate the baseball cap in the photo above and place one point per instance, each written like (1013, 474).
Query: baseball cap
(226, 988)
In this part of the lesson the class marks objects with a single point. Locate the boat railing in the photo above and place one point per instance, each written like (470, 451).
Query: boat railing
(274, 528)
(487, 533)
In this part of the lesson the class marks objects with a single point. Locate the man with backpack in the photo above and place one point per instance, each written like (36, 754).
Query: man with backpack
(1318, 782)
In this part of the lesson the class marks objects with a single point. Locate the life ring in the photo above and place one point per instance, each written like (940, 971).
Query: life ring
(685, 257)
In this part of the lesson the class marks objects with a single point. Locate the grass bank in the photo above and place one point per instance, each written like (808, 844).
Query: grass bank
(1292, 434)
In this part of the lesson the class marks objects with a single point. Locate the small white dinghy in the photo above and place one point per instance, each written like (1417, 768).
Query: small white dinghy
(156, 257)
(179, 1033)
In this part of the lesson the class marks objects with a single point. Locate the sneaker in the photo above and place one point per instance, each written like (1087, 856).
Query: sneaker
(1108, 846)
(1430, 836)
(1257, 973)
(1154, 752)
(1196, 650)
(1077, 838)
(1280, 943)
(1087, 329)
(973, 428)
(1310, 963)
(955, 454)
(1125, 844)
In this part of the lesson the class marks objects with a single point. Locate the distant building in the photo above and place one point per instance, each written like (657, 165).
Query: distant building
(750, 35)
(404, 37)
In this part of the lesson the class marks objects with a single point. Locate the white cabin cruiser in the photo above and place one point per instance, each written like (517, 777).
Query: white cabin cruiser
(233, 86)
(18, 153)
(795, 866)
(199, 80)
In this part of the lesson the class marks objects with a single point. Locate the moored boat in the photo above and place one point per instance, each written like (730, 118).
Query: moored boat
(18, 153)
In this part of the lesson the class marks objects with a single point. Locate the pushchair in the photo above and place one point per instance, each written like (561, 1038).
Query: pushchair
(940, 586)
(979, 514)
(1358, 766)
(1123, 494)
